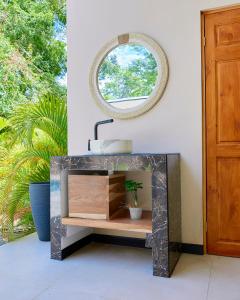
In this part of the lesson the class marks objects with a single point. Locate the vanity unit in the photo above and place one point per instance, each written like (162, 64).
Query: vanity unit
(161, 226)
(78, 209)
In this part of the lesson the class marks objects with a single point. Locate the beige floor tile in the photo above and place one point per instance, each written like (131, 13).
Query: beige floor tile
(107, 272)
(225, 279)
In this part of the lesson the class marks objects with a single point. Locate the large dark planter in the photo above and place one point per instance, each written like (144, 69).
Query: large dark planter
(40, 203)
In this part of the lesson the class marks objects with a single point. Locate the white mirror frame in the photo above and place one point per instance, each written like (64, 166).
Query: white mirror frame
(161, 82)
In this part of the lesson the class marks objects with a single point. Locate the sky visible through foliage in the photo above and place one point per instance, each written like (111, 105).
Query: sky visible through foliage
(32, 51)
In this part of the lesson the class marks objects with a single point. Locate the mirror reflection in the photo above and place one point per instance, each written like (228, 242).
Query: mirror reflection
(127, 76)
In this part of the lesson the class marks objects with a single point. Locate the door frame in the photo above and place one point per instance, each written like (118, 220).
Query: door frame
(204, 133)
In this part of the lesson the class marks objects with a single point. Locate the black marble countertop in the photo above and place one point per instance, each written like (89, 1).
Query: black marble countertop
(119, 154)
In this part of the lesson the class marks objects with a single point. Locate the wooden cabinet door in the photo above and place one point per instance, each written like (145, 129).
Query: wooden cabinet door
(222, 79)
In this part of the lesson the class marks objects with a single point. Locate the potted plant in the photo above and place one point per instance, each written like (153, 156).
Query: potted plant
(40, 204)
(134, 203)
(39, 131)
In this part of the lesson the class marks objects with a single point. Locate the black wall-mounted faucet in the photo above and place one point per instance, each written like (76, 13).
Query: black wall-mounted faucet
(100, 123)
(96, 130)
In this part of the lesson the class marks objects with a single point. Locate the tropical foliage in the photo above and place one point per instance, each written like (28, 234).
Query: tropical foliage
(32, 51)
(33, 118)
(33, 134)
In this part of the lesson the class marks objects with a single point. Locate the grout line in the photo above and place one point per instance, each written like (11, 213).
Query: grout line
(210, 277)
(41, 292)
(47, 287)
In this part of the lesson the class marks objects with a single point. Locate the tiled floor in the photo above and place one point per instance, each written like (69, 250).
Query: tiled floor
(99, 272)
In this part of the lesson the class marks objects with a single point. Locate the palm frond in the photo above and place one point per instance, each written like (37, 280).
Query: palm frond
(37, 132)
(48, 115)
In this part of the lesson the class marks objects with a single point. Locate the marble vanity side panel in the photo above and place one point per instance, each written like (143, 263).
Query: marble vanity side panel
(174, 209)
(149, 240)
(57, 229)
(159, 239)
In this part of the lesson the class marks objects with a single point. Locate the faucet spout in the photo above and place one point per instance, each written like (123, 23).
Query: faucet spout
(96, 130)
(100, 123)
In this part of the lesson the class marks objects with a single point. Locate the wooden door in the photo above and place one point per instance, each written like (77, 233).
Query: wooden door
(222, 91)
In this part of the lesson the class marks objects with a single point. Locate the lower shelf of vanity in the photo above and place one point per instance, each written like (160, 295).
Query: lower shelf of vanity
(121, 222)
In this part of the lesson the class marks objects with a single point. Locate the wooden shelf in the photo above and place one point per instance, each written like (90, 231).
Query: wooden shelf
(121, 222)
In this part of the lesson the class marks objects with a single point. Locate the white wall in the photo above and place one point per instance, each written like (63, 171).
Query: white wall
(174, 125)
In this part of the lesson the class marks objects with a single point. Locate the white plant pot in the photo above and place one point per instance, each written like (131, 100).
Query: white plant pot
(135, 213)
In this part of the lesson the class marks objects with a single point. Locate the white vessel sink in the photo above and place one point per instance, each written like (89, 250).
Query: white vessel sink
(110, 146)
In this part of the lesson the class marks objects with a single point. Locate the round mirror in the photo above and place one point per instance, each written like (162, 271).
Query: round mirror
(129, 76)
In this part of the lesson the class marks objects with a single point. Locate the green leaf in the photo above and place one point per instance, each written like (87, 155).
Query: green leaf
(38, 131)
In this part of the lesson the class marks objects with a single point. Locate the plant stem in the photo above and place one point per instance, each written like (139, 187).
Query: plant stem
(135, 198)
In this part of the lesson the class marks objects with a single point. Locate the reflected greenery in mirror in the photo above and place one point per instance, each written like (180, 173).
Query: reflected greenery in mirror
(127, 76)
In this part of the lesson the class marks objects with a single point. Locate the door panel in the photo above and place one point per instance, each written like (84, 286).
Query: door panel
(222, 84)
(228, 34)
(228, 170)
(228, 108)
